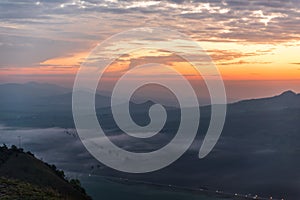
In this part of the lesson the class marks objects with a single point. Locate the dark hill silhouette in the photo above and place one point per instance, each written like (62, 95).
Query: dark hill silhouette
(287, 99)
(23, 168)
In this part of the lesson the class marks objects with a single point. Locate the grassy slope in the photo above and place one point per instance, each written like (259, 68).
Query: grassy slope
(16, 189)
(28, 169)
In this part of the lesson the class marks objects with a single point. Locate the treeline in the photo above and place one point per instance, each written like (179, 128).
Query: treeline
(6, 152)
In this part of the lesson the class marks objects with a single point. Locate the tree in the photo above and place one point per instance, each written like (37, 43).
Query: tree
(14, 147)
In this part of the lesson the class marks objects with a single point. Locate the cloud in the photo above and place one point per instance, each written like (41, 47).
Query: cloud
(243, 20)
(28, 51)
(226, 55)
(243, 62)
(32, 32)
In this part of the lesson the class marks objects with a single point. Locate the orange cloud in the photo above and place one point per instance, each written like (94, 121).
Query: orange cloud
(72, 60)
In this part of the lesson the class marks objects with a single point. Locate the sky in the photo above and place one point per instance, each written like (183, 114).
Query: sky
(254, 44)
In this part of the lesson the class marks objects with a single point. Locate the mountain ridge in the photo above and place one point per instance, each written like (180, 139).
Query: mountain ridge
(34, 92)
(23, 168)
(287, 99)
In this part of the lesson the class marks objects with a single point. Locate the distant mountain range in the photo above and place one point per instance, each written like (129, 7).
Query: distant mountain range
(48, 105)
(288, 99)
(35, 96)
(257, 153)
(41, 97)
(13, 92)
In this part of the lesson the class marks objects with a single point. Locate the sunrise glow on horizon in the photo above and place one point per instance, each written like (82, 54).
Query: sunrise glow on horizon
(253, 44)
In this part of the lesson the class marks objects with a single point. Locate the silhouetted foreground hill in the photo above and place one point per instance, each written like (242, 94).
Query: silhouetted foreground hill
(22, 176)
